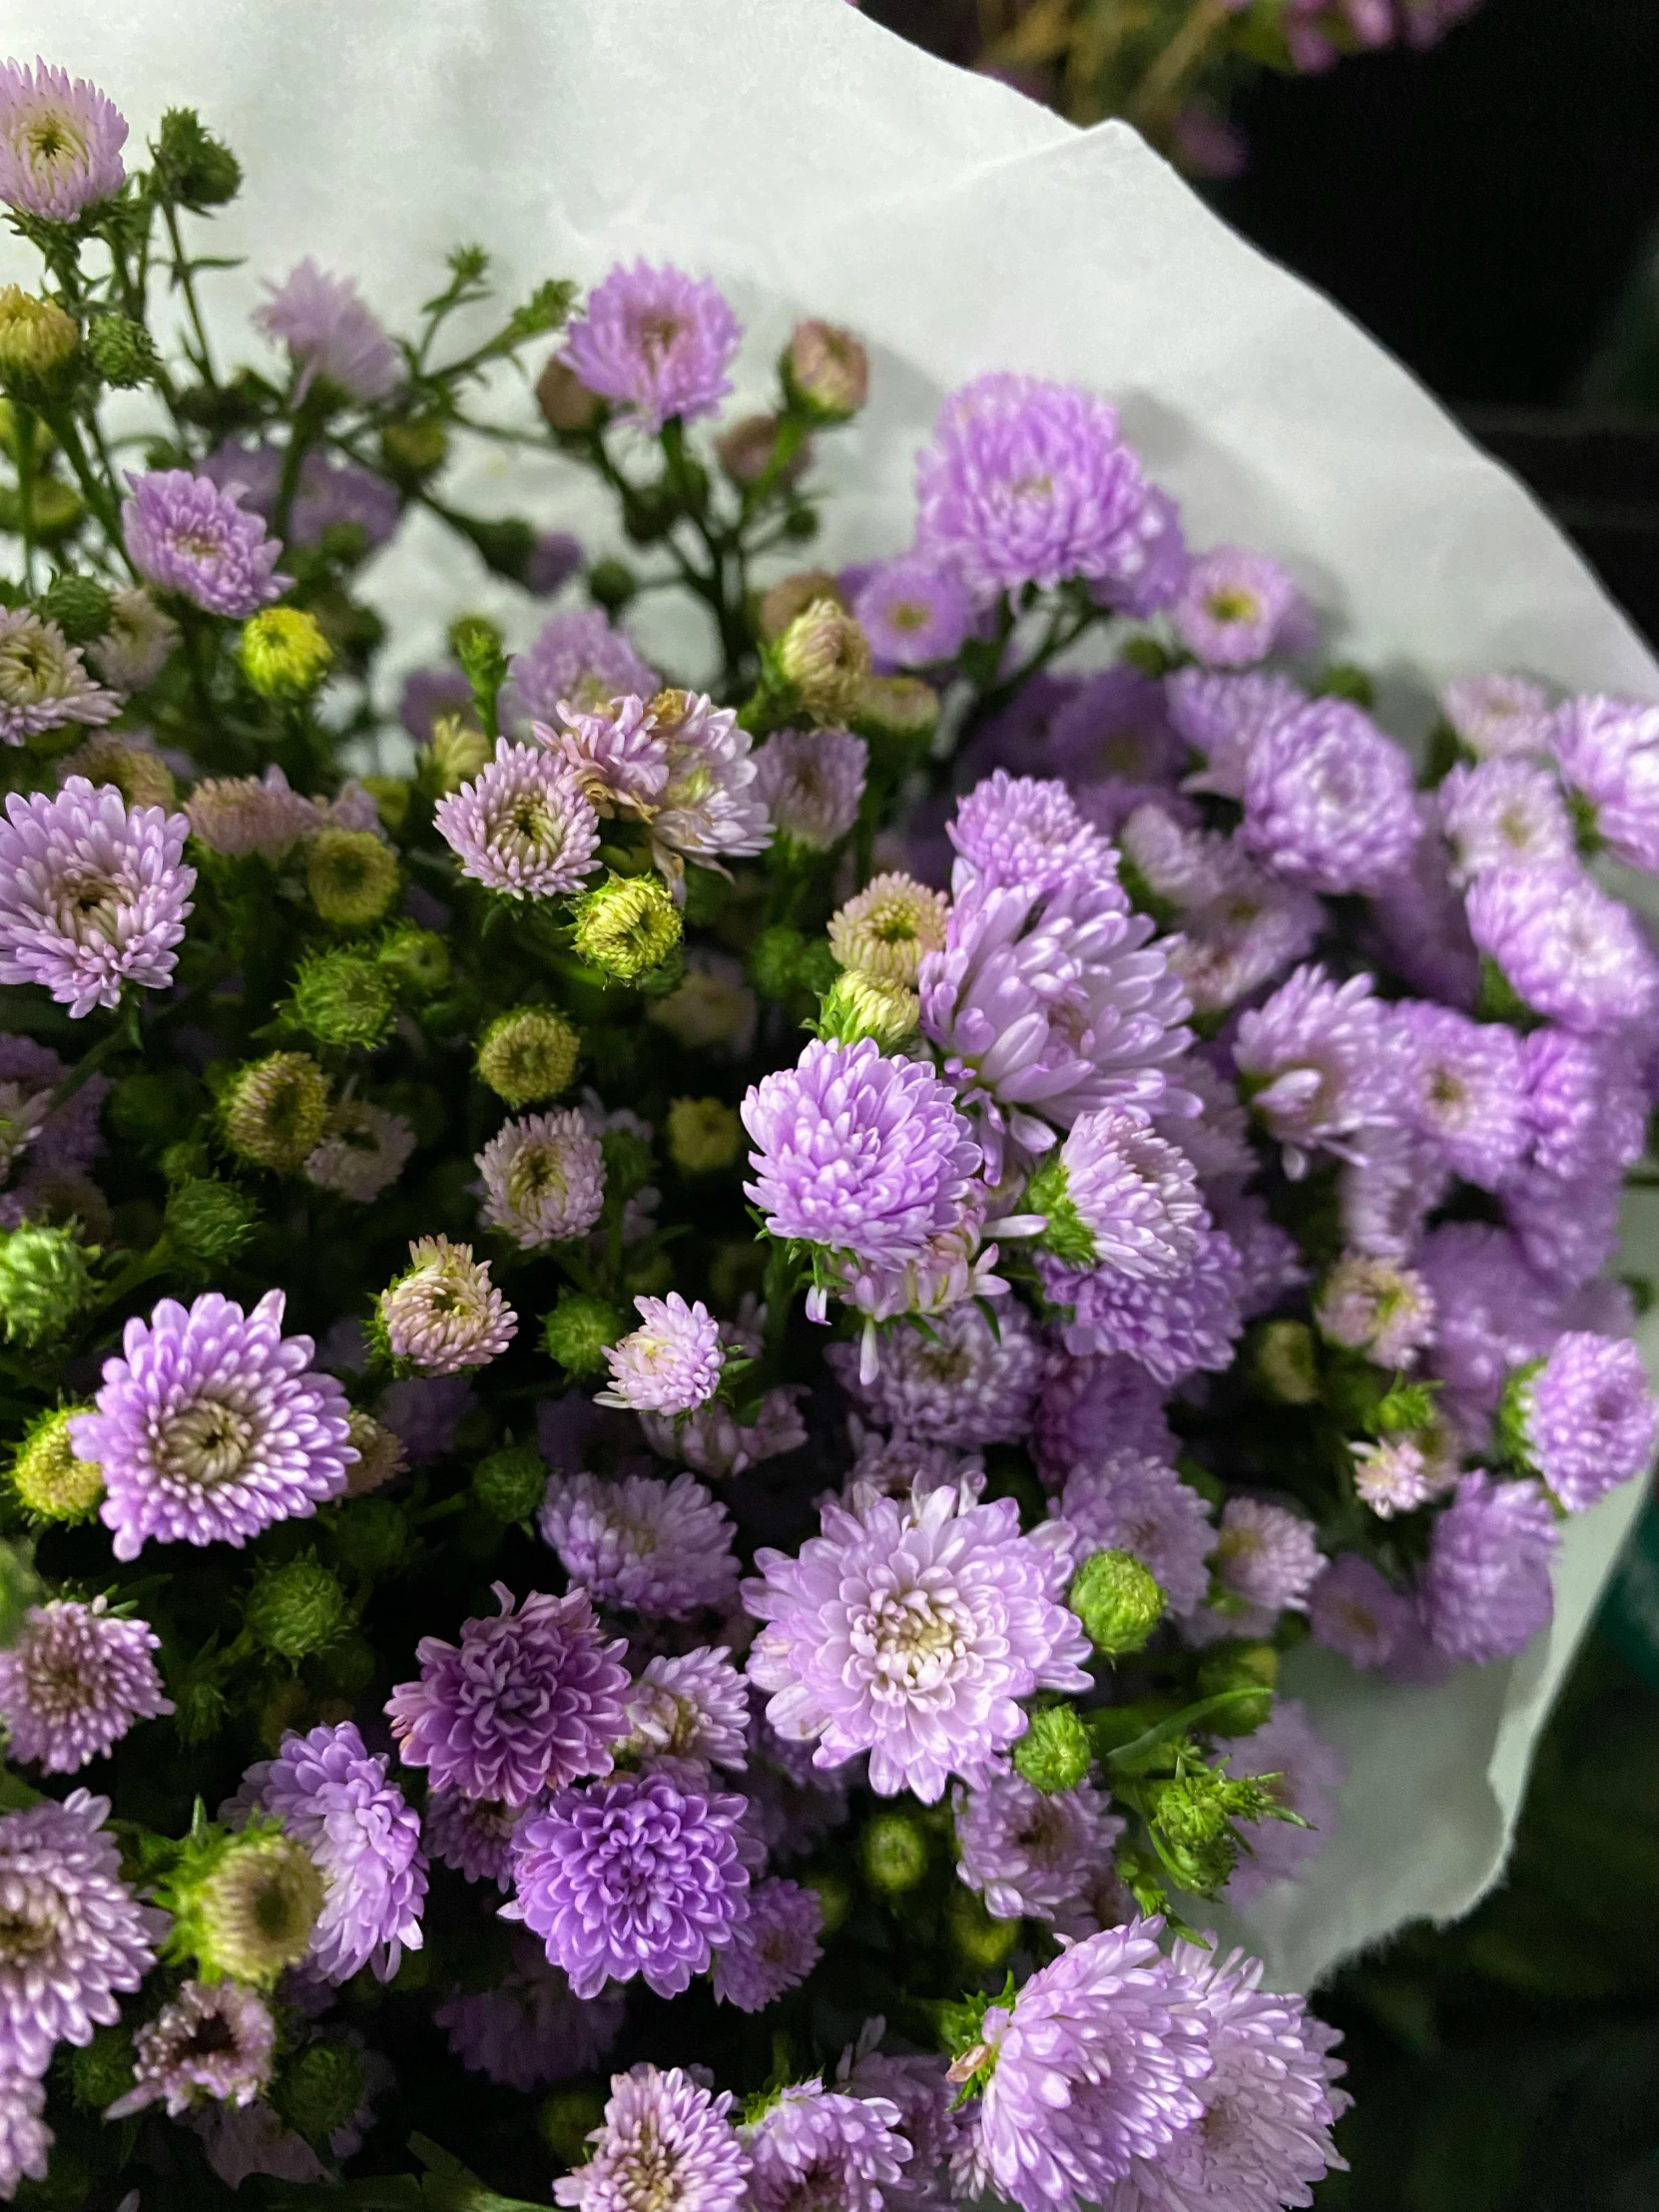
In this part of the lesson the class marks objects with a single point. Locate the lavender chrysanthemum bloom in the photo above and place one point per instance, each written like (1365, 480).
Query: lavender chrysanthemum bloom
(544, 1178)
(1570, 951)
(526, 1702)
(620, 760)
(910, 1633)
(211, 1424)
(1486, 1590)
(928, 2120)
(74, 1938)
(443, 1315)
(576, 658)
(1265, 1557)
(1568, 1231)
(1354, 1610)
(1270, 1258)
(671, 1364)
(75, 1681)
(531, 2028)
(818, 2146)
(634, 1877)
(1250, 930)
(1497, 715)
(886, 929)
(1306, 1775)
(1462, 1088)
(185, 535)
(1082, 1401)
(1607, 750)
(1125, 1501)
(1029, 482)
(1177, 1326)
(1027, 830)
(1494, 1311)
(238, 815)
(329, 331)
(1386, 1197)
(1398, 1474)
(25, 2139)
(363, 1152)
(336, 1799)
(1586, 1418)
(1503, 814)
(60, 143)
(215, 2042)
(1094, 2065)
(43, 683)
(1376, 1307)
(1316, 1065)
(666, 2142)
(68, 1138)
(957, 1382)
(812, 782)
(711, 1439)
(663, 1549)
(711, 809)
(474, 1835)
(1235, 606)
(1420, 923)
(135, 648)
(1328, 799)
(775, 1950)
(1223, 717)
(914, 611)
(92, 894)
(655, 344)
(1027, 1852)
(338, 495)
(1118, 1196)
(1585, 1103)
(524, 828)
(692, 1707)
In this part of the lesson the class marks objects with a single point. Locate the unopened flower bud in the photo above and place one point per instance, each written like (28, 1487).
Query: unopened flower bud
(414, 448)
(627, 926)
(823, 660)
(295, 1609)
(775, 961)
(344, 1000)
(565, 401)
(380, 1454)
(209, 1222)
(373, 1534)
(480, 652)
(80, 606)
(611, 585)
(275, 1111)
(44, 1280)
(455, 752)
(508, 1484)
(319, 2089)
(284, 654)
(835, 1897)
(121, 350)
(1191, 1816)
(199, 1710)
(859, 1005)
(136, 772)
(980, 1940)
(191, 167)
(791, 596)
(417, 960)
(1250, 1672)
(893, 1852)
(1286, 1366)
(579, 1329)
(1117, 1600)
(36, 340)
(896, 706)
(57, 508)
(746, 450)
(528, 1054)
(826, 372)
(50, 1482)
(703, 1135)
(567, 2118)
(1054, 1753)
(351, 876)
(245, 1906)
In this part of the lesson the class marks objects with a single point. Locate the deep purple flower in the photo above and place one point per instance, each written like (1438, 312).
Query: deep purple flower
(329, 331)
(531, 2028)
(93, 894)
(957, 1382)
(1026, 830)
(1607, 750)
(213, 2043)
(812, 782)
(576, 658)
(663, 1549)
(1027, 1853)
(74, 1683)
(916, 2084)
(1328, 799)
(1354, 1610)
(1503, 814)
(666, 2141)
(914, 611)
(1569, 950)
(1083, 1400)
(909, 1634)
(1486, 1590)
(1121, 1500)
(1316, 1067)
(472, 1835)
(1235, 606)
(1587, 1419)
(185, 535)
(338, 495)
(211, 1424)
(654, 343)
(1496, 715)
(775, 1950)
(1306, 1775)
(1421, 929)
(544, 1178)
(43, 683)
(526, 1702)
(524, 828)
(443, 1315)
(1174, 1328)
(633, 1877)
(1464, 1089)
(60, 143)
(671, 1364)
(67, 1138)
(336, 1799)
(1112, 736)
(1127, 1197)
(818, 2146)
(1494, 1311)
(554, 559)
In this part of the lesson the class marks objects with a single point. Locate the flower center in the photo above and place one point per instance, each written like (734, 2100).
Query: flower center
(536, 1174)
(528, 830)
(1234, 605)
(208, 1444)
(913, 1640)
(29, 1917)
(53, 141)
(651, 2182)
(89, 908)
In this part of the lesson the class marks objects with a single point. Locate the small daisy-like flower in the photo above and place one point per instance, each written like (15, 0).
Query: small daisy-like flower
(544, 1178)
(443, 1315)
(1301, 1773)
(1264, 1557)
(691, 1708)
(1316, 1065)
(775, 1950)
(891, 926)
(25, 2139)
(1503, 814)
(75, 1681)
(812, 782)
(671, 1364)
(362, 1153)
(1607, 750)
(1084, 1400)
(1569, 950)
(1120, 1197)
(817, 2146)
(60, 143)
(710, 809)
(185, 535)
(620, 760)
(1328, 799)
(1125, 1501)
(238, 815)
(215, 2042)
(524, 828)
(1497, 715)
(1235, 607)
(138, 643)
(472, 1835)
(531, 2028)
(958, 1380)
(1486, 1590)
(1026, 829)
(1371, 1306)
(1222, 717)
(330, 332)
(666, 2142)
(1462, 1089)
(126, 759)
(1031, 1852)
(654, 343)
(1354, 1610)
(663, 1549)
(914, 612)
(1398, 1474)
(1174, 1326)
(1587, 1419)
(43, 685)
(577, 659)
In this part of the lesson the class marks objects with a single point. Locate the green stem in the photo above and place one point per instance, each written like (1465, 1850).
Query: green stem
(98, 495)
(124, 1032)
(182, 277)
(24, 419)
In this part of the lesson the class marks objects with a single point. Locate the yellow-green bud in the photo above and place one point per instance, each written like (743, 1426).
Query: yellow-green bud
(80, 606)
(567, 2118)
(1286, 1366)
(103, 2070)
(275, 1111)
(245, 1906)
(344, 1000)
(36, 340)
(209, 1221)
(777, 608)
(1251, 1668)
(120, 351)
(351, 876)
(191, 166)
(703, 1135)
(835, 1897)
(528, 1054)
(50, 1482)
(373, 1536)
(55, 507)
(295, 1609)
(319, 2089)
(136, 772)
(508, 1484)
(578, 1330)
(457, 752)
(414, 448)
(896, 706)
(627, 926)
(44, 1280)
(980, 1940)
(823, 660)
(1054, 1753)
(1117, 1600)
(284, 654)
(893, 1852)
(417, 960)
(859, 1005)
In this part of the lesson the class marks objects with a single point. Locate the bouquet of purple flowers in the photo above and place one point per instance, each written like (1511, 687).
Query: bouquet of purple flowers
(679, 1357)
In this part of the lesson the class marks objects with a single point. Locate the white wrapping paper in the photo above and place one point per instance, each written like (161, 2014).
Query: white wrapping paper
(815, 165)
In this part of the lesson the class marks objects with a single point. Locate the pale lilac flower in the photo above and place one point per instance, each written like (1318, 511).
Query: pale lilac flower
(338, 496)
(1270, 1258)
(889, 926)
(554, 559)
(666, 2141)
(1175, 1327)
(1235, 606)
(914, 611)
(1462, 1089)
(526, 1702)
(916, 2084)
(817, 2146)
(1607, 750)
(336, 1799)
(60, 143)
(43, 683)
(775, 1950)
(1026, 830)
(1242, 939)
(1316, 1067)
(1418, 915)
(620, 760)
(1265, 1557)
(812, 782)
(1570, 951)
(663, 1549)
(671, 1364)
(185, 535)
(1388, 1196)
(711, 809)
(1486, 1590)
(211, 1424)
(474, 1835)
(577, 658)
(138, 643)
(75, 1681)
(654, 343)
(443, 1315)
(1398, 1474)
(1585, 1103)
(1494, 1311)
(25, 2139)
(957, 1382)
(904, 1467)
(1223, 717)
(1354, 1610)
(92, 894)
(1497, 715)
(363, 1152)
(1587, 1419)
(238, 815)
(1329, 799)
(524, 828)
(1123, 1500)
(1376, 1307)
(1084, 1400)
(1027, 1852)
(329, 331)
(1133, 1194)
(1307, 1777)
(1503, 814)
(692, 1707)
(544, 1178)
(711, 1439)
(531, 2028)
(909, 1634)
(215, 2042)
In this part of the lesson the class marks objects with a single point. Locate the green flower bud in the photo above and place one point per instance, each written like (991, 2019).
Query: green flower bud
(50, 1482)
(703, 1135)
(857, 1005)
(121, 350)
(821, 661)
(981, 1941)
(44, 1280)
(295, 1609)
(284, 654)
(1204, 1867)
(79, 605)
(835, 1897)
(344, 1000)
(1253, 1668)
(900, 707)
(275, 1111)
(1054, 1753)
(210, 1222)
(567, 2118)
(147, 1111)
(417, 960)
(825, 373)
(1117, 1602)
(414, 448)
(36, 341)
(578, 1330)
(201, 1710)
(628, 1163)
(57, 507)
(528, 1054)
(351, 876)
(509, 1483)
(372, 1536)
(455, 752)
(1286, 1364)
(243, 1906)
(893, 1852)
(319, 2089)
(611, 585)
(775, 961)
(1068, 1236)
(191, 167)
(565, 401)
(477, 645)
(136, 772)
(627, 926)
(103, 2069)
(346, 1669)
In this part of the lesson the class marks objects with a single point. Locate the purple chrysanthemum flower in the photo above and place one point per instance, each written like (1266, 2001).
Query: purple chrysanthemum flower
(74, 1936)
(60, 143)
(443, 1315)
(524, 828)
(1494, 1311)
(474, 1835)
(1462, 1088)
(1486, 1590)
(1027, 1852)
(857, 1152)
(1587, 1419)
(531, 2027)
(1082, 1401)
(957, 1382)
(1328, 799)
(1133, 1194)
(544, 1178)
(1607, 750)
(92, 894)
(336, 1799)
(215, 2042)
(74, 1683)
(1222, 717)
(43, 683)
(818, 2146)
(29, 1075)
(1585, 1102)
(1316, 1065)
(362, 1153)
(338, 495)
(1125, 1501)
(576, 659)
(1388, 1196)
(1267, 1557)
(812, 782)
(775, 1950)
(1306, 1775)
(1497, 715)
(692, 1707)
(1376, 1307)
(633, 1877)
(654, 343)
(185, 535)
(1029, 482)
(1354, 1610)
(527, 1701)
(1249, 933)
(238, 815)
(1398, 1474)
(1503, 814)
(1270, 1258)
(663, 1549)
(713, 1440)
(711, 809)
(666, 2141)
(329, 331)
(1026, 830)
(1570, 951)
(25, 2139)
(1110, 739)
(914, 611)
(910, 1633)
(620, 760)
(211, 1424)
(1421, 929)
(1174, 1328)
(1094, 2065)
(1235, 606)
(554, 559)
(916, 2082)
(671, 1364)
(1568, 1231)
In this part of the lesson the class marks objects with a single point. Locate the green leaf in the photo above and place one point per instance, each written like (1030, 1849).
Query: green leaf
(1176, 1724)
